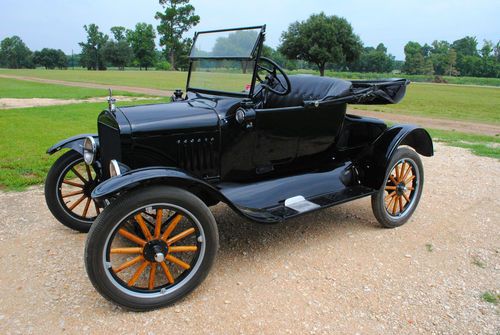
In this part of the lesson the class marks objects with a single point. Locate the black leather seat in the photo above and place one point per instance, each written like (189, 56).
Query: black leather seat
(308, 87)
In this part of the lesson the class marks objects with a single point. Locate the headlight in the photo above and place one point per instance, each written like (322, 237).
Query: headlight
(89, 150)
(114, 168)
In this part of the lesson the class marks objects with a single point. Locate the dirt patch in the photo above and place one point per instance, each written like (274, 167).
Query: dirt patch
(333, 271)
(11, 103)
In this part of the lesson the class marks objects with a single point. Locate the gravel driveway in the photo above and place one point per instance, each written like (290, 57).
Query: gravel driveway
(333, 271)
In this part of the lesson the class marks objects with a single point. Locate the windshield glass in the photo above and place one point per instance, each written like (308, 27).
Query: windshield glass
(233, 43)
(223, 75)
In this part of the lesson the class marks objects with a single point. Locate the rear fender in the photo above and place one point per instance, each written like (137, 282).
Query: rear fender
(376, 158)
(75, 143)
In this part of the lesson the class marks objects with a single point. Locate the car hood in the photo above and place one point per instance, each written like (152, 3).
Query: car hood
(157, 119)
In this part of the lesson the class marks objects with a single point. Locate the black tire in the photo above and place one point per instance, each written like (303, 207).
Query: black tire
(398, 191)
(82, 216)
(121, 215)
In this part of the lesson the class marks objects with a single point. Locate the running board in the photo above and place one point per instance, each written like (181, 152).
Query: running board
(278, 199)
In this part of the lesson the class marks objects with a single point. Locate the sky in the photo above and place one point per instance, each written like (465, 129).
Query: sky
(59, 23)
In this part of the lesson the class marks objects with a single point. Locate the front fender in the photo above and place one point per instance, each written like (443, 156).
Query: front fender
(156, 175)
(376, 158)
(75, 143)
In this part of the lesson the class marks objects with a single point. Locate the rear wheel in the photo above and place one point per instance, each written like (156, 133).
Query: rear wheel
(398, 198)
(68, 187)
(151, 247)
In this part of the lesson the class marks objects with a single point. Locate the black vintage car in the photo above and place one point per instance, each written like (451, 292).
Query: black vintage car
(269, 145)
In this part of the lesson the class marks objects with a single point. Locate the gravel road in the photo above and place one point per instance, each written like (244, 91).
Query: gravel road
(333, 271)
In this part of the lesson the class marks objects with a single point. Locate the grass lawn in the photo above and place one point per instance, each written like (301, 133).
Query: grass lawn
(13, 88)
(26, 134)
(488, 146)
(478, 104)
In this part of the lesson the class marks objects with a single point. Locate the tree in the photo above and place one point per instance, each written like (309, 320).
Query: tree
(178, 17)
(50, 58)
(374, 60)
(119, 33)
(321, 39)
(118, 53)
(92, 51)
(15, 54)
(414, 58)
(142, 40)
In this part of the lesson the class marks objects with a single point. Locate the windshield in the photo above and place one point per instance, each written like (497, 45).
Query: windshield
(224, 61)
(233, 43)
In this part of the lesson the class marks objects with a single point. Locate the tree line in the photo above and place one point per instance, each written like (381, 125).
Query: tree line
(321, 42)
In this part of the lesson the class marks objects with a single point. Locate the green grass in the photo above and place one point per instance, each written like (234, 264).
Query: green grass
(13, 88)
(25, 135)
(481, 145)
(491, 297)
(477, 104)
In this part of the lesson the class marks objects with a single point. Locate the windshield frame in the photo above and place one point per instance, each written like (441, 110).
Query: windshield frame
(254, 56)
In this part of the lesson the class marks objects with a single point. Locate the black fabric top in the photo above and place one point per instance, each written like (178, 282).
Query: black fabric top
(309, 87)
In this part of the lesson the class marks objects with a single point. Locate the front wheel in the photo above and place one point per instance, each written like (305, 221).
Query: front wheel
(151, 247)
(398, 197)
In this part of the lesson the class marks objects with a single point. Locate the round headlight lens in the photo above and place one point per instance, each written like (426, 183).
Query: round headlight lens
(240, 115)
(114, 168)
(89, 150)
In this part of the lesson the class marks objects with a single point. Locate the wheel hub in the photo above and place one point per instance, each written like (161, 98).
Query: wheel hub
(155, 251)
(401, 189)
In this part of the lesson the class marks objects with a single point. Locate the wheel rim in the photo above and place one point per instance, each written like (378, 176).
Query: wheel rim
(401, 188)
(74, 188)
(154, 250)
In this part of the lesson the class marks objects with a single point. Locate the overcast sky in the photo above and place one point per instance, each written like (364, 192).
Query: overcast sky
(59, 23)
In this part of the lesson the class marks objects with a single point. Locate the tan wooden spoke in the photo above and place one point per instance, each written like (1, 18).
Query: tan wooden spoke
(76, 203)
(400, 200)
(395, 205)
(407, 181)
(138, 273)
(408, 170)
(177, 261)
(134, 238)
(391, 177)
(132, 250)
(143, 226)
(152, 275)
(78, 175)
(390, 195)
(169, 276)
(69, 182)
(129, 263)
(183, 248)
(159, 218)
(390, 188)
(406, 197)
(86, 209)
(180, 236)
(176, 219)
(397, 172)
(70, 194)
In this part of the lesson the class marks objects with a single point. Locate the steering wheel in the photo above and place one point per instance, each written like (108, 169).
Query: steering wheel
(272, 77)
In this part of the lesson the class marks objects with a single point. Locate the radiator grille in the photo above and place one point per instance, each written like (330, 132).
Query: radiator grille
(109, 146)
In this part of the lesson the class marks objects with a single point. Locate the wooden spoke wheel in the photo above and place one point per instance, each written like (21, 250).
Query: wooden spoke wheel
(151, 247)
(399, 196)
(68, 189)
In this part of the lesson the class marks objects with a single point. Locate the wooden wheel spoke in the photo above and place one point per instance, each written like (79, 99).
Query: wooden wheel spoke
(70, 194)
(164, 266)
(410, 188)
(175, 220)
(89, 174)
(180, 236)
(76, 203)
(86, 209)
(183, 248)
(397, 172)
(152, 275)
(134, 238)
(390, 195)
(400, 201)
(79, 175)
(177, 261)
(394, 181)
(138, 273)
(143, 226)
(406, 172)
(69, 182)
(390, 188)
(128, 264)
(159, 218)
(394, 206)
(134, 250)
(407, 181)
(406, 197)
